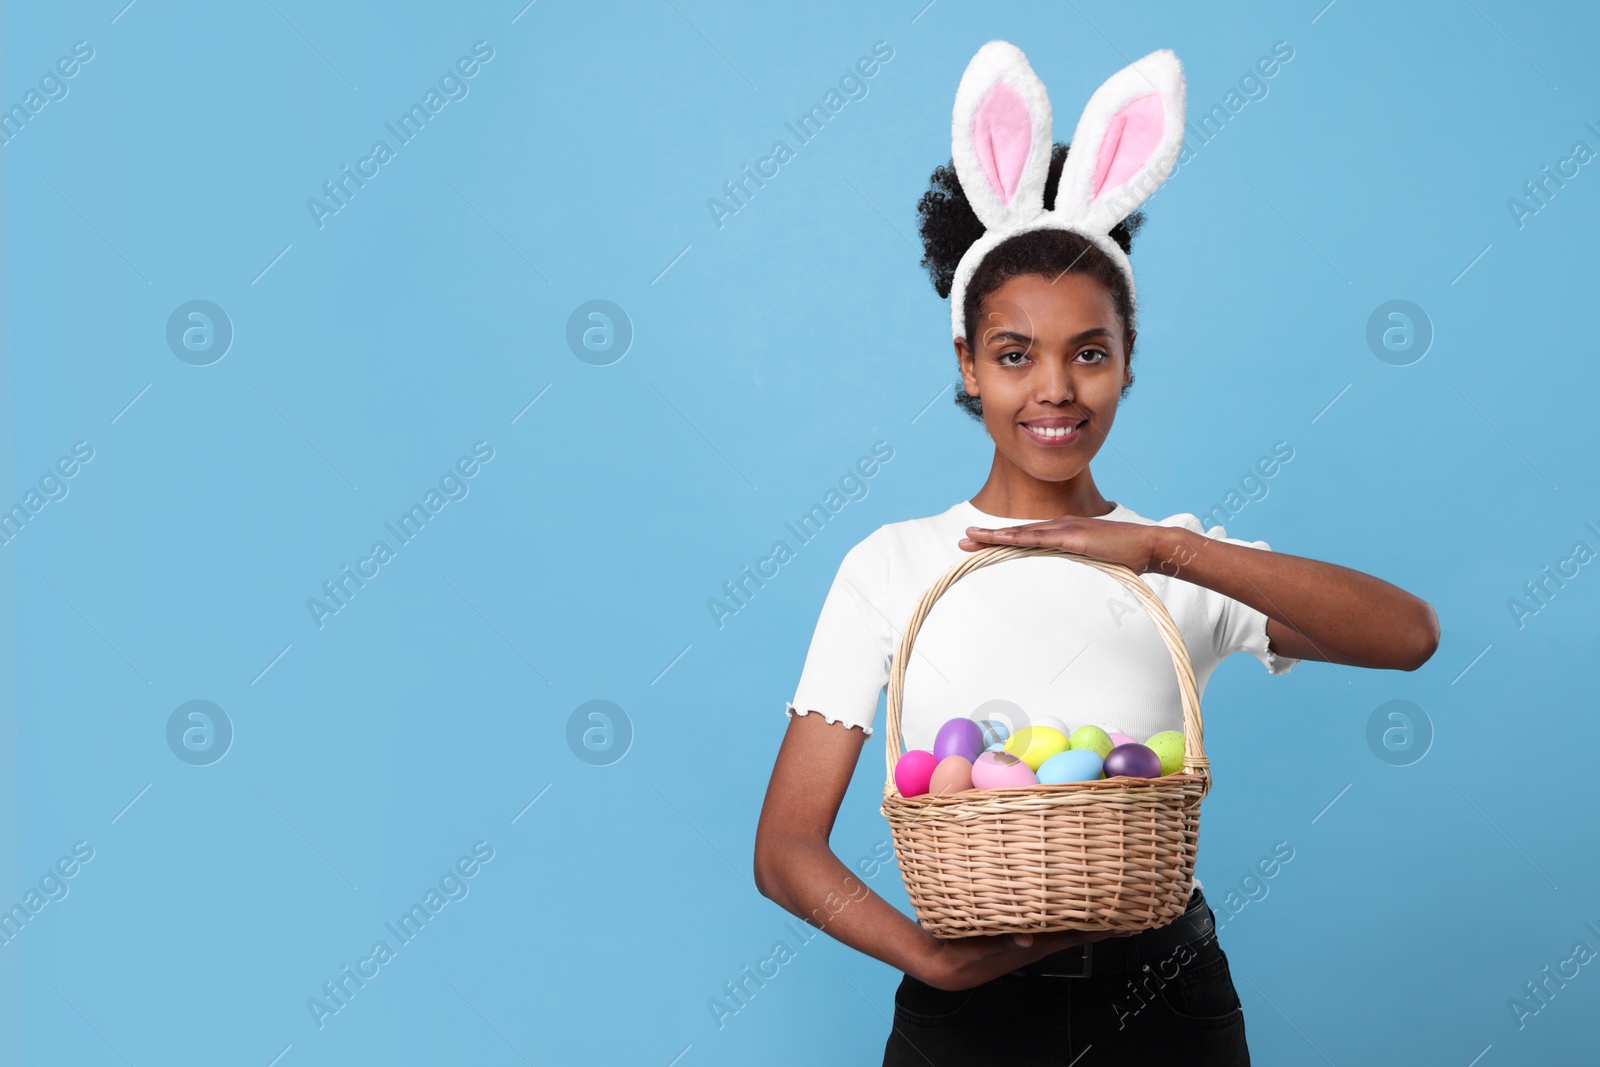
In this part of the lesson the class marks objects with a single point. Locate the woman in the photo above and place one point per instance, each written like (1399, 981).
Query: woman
(1043, 315)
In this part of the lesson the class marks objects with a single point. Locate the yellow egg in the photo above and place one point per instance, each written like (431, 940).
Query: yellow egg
(1035, 744)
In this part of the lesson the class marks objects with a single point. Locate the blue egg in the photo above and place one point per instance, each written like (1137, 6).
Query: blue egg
(994, 730)
(998, 746)
(1073, 765)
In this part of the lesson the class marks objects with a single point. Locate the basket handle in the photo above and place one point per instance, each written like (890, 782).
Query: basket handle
(1194, 749)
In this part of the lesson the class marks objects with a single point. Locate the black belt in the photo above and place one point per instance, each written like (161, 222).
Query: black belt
(1121, 954)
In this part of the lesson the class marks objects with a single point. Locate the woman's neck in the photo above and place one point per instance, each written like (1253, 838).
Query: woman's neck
(1014, 494)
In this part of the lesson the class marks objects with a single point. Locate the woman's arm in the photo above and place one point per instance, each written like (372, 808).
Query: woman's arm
(796, 869)
(1315, 610)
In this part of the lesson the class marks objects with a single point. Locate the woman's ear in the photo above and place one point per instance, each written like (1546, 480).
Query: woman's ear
(965, 358)
(1127, 361)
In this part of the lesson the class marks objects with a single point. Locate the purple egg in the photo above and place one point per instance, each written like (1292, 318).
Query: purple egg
(959, 737)
(1133, 761)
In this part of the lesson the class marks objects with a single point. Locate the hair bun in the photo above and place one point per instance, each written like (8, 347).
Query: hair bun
(948, 226)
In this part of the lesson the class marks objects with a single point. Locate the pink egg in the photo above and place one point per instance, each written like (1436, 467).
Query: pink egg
(1122, 739)
(952, 775)
(913, 771)
(1001, 770)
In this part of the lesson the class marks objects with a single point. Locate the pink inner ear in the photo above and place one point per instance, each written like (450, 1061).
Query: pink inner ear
(1130, 139)
(1001, 134)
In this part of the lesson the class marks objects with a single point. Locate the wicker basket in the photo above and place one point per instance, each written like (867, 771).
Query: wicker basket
(1115, 854)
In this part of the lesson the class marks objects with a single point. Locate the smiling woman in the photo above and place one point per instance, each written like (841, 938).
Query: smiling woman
(1030, 243)
(1052, 358)
(949, 227)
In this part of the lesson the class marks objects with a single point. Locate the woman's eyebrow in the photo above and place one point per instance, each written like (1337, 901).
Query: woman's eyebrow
(1012, 335)
(1008, 335)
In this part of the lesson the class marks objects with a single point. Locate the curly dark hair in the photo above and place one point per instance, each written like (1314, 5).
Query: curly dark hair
(949, 227)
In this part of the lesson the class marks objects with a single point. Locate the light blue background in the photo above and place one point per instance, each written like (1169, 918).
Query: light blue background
(769, 355)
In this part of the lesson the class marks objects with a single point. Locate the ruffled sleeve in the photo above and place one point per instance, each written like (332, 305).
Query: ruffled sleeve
(847, 665)
(1243, 628)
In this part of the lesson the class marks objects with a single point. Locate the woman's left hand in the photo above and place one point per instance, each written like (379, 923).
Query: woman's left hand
(1137, 547)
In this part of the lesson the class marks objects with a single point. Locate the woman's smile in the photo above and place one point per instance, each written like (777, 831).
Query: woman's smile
(1055, 431)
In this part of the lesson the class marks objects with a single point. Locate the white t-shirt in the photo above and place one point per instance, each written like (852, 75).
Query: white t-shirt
(1050, 635)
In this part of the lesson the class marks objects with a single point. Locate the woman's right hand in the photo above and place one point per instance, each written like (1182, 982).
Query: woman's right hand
(964, 962)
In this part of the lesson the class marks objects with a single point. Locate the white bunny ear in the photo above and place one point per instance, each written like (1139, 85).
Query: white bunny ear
(1126, 143)
(1000, 137)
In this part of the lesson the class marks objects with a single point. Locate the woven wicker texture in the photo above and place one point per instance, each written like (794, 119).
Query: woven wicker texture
(1115, 854)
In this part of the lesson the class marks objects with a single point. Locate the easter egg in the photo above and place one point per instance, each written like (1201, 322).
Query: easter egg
(913, 771)
(952, 775)
(1121, 739)
(1168, 745)
(1133, 761)
(998, 746)
(1007, 715)
(1092, 739)
(959, 737)
(1055, 722)
(1073, 765)
(993, 731)
(1035, 744)
(1001, 770)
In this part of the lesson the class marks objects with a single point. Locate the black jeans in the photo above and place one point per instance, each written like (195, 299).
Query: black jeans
(1183, 1009)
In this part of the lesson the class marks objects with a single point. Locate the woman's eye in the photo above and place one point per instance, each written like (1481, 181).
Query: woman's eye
(1093, 355)
(1005, 358)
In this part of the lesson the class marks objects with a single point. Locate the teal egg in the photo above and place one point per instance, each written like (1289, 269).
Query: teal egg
(1073, 765)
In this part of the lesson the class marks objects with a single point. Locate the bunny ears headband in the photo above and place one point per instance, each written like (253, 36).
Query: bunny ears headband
(1125, 146)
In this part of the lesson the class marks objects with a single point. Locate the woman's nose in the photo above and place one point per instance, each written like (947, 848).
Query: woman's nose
(1055, 384)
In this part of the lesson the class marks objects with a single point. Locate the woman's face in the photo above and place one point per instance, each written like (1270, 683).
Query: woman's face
(1049, 364)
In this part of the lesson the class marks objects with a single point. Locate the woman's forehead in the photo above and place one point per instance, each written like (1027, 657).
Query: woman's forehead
(1045, 309)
